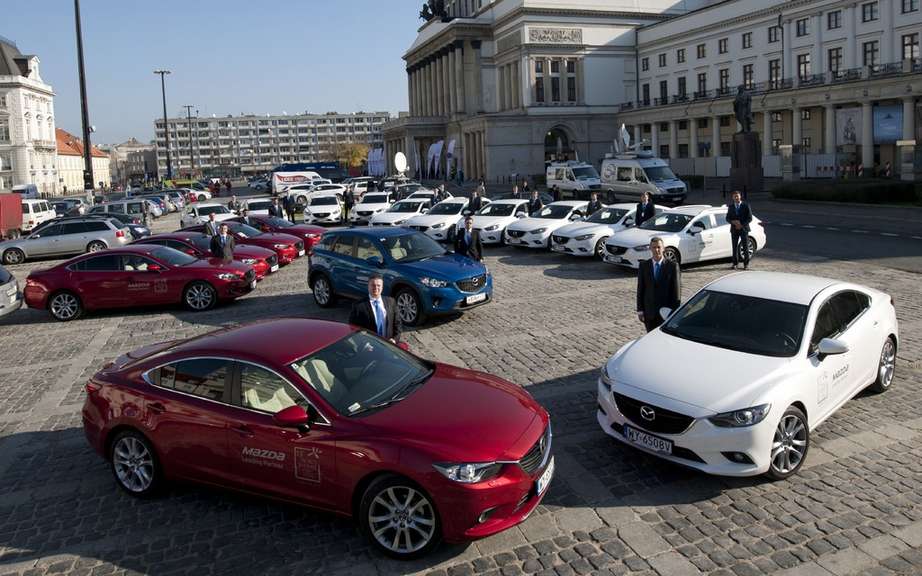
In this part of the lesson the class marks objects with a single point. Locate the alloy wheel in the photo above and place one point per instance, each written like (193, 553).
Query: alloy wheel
(401, 519)
(789, 444)
(407, 307)
(65, 306)
(600, 247)
(13, 256)
(887, 363)
(322, 291)
(95, 247)
(200, 296)
(672, 255)
(133, 464)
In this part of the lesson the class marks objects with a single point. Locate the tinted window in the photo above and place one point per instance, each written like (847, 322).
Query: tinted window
(135, 263)
(98, 226)
(172, 257)
(265, 391)
(204, 377)
(5, 276)
(826, 325)
(702, 223)
(135, 208)
(49, 231)
(343, 245)
(366, 249)
(99, 263)
(117, 208)
(73, 228)
(625, 174)
(668, 222)
(26, 208)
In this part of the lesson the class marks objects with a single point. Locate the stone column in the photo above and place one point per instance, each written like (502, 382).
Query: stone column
(452, 81)
(503, 88)
(638, 135)
(816, 59)
(478, 80)
(786, 56)
(459, 76)
(767, 133)
(867, 135)
(528, 81)
(673, 139)
(654, 138)
(795, 126)
(851, 56)
(909, 121)
(547, 81)
(715, 136)
(446, 84)
(692, 137)
(888, 38)
(829, 129)
(483, 153)
(516, 85)
(411, 92)
(426, 89)
(439, 88)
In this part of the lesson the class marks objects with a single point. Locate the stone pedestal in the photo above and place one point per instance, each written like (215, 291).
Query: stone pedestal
(746, 163)
(907, 159)
(790, 162)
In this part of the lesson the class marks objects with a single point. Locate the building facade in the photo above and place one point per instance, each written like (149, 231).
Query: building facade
(250, 144)
(70, 164)
(132, 160)
(27, 140)
(497, 88)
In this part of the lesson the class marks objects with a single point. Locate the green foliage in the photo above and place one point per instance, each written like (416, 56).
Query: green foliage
(865, 191)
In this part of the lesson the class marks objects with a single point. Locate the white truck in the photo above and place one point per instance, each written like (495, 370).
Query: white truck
(628, 176)
(573, 180)
(282, 180)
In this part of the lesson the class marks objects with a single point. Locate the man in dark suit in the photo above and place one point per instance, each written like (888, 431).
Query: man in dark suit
(659, 284)
(245, 218)
(645, 209)
(211, 227)
(275, 209)
(222, 245)
(476, 202)
(467, 241)
(289, 205)
(739, 216)
(594, 204)
(377, 313)
(535, 204)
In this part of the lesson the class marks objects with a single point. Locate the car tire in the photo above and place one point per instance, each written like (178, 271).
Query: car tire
(599, 251)
(791, 441)
(409, 307)
(752, 249)
(201, 198)
(199, 296)
(386, 519)
(886, 366)
(65, 306)
(135, 465)
(96, 246)
(322, 290)
(671, 254)
(14, 256)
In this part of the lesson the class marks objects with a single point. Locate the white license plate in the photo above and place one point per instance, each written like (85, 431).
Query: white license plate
(648, 441)
(545, 479)
(253, 285)
(274, 268)
(476, 298)
(300, 252)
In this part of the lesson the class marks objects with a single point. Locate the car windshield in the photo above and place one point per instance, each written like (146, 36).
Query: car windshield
(246, 231)
(667, 222)
(340, 373)
(412, 247)
(406, 206)
(324, 201)
(659, 173)
(206, 210)
(554, 212)
(279, 222)
(374, 199)
(585, 173)
(421, 196)
(497, 209)
(259, 205)
(202, 242)
(172, 257)
(446, 208)
(741, 323)
(607, 216)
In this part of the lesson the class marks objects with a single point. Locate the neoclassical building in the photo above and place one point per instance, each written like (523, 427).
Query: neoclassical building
(498, 87)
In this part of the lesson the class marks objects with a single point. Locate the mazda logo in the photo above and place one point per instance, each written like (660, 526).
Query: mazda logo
(476, 281)
(647, 413)
(543, 444)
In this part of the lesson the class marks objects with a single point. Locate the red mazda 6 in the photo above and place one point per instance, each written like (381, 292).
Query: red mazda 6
(135, 276)
(330, 416)
(287, 247)
(309, 232)
(263, 260)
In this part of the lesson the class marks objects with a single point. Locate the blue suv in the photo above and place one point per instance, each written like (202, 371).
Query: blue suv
(418, 272)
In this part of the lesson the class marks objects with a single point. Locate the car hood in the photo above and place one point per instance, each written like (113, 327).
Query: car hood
(460, 415)
(302, 230)
(485, 221)
(372, 207)
(273, 237)
(216, 265)
(724, 380)
(427, 220)
(580, 228)
(635, 237)
(244, 251)
(392, 216)
(527, 224)
(451, 267)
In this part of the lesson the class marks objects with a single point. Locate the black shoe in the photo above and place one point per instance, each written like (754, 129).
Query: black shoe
(746, 266)
(733, 267)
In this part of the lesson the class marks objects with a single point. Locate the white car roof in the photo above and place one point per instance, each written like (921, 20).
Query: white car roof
(570, 203)
(621, 206)
(258, 198)
(695, 209)
(207, 204)
(324, 195)
(783, 286)
(510, 201)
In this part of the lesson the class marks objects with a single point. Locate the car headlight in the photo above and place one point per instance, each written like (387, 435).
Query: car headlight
(492, 228)
(469, 473)
(398, 222)
(642, 248)
(606, 378)
(249, 260)
(228, 276)
(741, 418)
(538, 231)
(584, 237)
(437, 226)
(433, 282)
(280, 246)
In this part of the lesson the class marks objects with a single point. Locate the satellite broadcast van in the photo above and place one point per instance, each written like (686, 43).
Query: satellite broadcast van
(629, 175)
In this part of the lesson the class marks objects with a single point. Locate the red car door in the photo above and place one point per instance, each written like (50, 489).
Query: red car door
(282, 461)
(188, 417)
(99, 281)
(146, 281)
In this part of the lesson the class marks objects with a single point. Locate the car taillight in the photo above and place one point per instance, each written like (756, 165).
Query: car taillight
(92, 387)
(119, 234)
(34, 284)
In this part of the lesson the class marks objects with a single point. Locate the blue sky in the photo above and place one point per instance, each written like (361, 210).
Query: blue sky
(226, 57)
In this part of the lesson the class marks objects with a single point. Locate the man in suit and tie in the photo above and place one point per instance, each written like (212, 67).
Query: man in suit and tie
(535, 204)
(211, 227)
(275, 209)
(377, 313)
(659, 285)
(234, 204)
(594, 204)
(467, 241)
(476, 202)
(739, 216)
(645, 209)
(245, 218)
(222, 245)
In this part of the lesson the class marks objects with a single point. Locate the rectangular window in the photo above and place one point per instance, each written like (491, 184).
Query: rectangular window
(834, 57)
(724, 121)
(869, 12)
(722, 46)
(645, 94)
(702, 122)
(664, 127)
(663, 91)
(682, 89)
(644, 64)
(747, 76)
(803, 67)
(702, 83)
(702, 50)
(683, 150)
(776, 145)
(776, 117)
(204, 378)
(680, 55)
(571, 88)
(834, 20)
(774, 33)
(4, 130)
(803, 27)
(664, 150)
(910, 6)
(805, 114)
(725, 148)
(555, 88)
(747, 40)
(724, 80)
(539, 81)
(911, 46)
(2, 101)
(774, 74)
(805, 143)
(683, 124)
(662, 60)
(871, 54)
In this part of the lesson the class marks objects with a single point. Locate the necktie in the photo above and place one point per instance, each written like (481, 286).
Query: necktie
(656, 271)
(467, 238)
(379, 317)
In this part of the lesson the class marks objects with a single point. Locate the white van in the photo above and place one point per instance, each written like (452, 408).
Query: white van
(627, 176)
(26, 190)
(573, 180)
(35, 211)
(282, 180)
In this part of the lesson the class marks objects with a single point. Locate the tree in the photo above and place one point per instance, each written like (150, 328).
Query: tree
(350, 154)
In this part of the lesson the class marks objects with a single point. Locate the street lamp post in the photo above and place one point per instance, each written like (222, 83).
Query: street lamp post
(189, 108)
(166, 124)
(88, 181)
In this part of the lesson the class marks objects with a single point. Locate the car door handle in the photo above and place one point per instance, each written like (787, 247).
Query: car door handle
(156, 408)
(243, 431)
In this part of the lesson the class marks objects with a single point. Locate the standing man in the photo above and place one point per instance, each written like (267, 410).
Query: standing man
(146, 212)
(348, 203)
(515, 192)
(535, 204)
(525, 188)
(275, 209)
(659, 285)
(211, 227)
(222, 245)
(234, 204)
(377, 313)
(289, 204)
(739, 216)
(594, 204)
(645, 209)
(476, 202)
(467, 242)
(228, 185)
(245, 218)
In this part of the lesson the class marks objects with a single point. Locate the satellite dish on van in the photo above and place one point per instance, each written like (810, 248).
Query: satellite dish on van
(400, 162)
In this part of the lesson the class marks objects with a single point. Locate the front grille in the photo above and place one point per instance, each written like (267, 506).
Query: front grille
(272, 260)
(664, 421)
(615, 250)
(250, 275)
(320, 214)
(560, 239)
(364, 213)
(472, 284)
(515, 233)
(675, 190)
(535, 456)
(299, 245)
(420, 228)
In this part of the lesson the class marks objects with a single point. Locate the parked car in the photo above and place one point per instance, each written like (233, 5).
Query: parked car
(135, 276)
(419, 273)
(177, 198)
(34, 212)
(196, 193)
(26, 191)
(70, 236)
(286, 246)
(443, 221)
(138, 231)
(259, 184)
(309, 232)
(323, 208)
(198, 213)
(370, 204)
(68, 206)
(131, 207)
(10, 296)
(399, 212)
(158, 206)
(587, 237)
(263, 260)
(493, 219)
(629, 176)
(535, 231)
(258, 205)
(780, 354)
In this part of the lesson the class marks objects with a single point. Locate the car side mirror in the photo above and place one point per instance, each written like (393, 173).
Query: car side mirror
(425, 211)
(664, 313)
(628, 221)
(575, 218)
(293, 417)
(692, 232)
(520, 215)
(35, 236)
(830, 347)
(153, 268)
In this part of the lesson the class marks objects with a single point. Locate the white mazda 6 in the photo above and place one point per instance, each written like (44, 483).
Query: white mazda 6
(735, 380)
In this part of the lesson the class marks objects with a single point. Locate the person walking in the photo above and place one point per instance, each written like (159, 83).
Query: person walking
(739, 216)
(535, 204)
(659, 285)
(222, 245)
(467, 241)
(211, 227)
(645, 209)
(377, 313)
(594, 204)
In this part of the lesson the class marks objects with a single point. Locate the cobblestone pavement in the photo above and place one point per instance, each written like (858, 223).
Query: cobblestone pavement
(855, 508)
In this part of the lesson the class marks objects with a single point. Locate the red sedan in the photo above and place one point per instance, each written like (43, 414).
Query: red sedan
(135, 276)
(263, 260)
(327, 415)
(310, 233)
(287, 247)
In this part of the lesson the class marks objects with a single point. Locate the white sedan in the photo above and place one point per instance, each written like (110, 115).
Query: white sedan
(323, 209)
(772, 356)
(258, 205)
(443, 220)
(197, 213)
(689, 233)
(371, 204)
(536, 230)
(400, 212)
(588, 237)
(493, 219)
